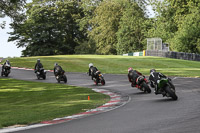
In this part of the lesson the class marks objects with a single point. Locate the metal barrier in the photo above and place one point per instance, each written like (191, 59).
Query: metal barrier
(175, 55)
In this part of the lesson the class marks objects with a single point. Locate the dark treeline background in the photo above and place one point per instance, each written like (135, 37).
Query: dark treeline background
(52, 27)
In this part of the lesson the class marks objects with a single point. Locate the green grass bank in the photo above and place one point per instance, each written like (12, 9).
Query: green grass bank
(115, 64)
(25, 102)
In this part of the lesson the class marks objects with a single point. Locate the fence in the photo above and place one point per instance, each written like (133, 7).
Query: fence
(134, 54)
(171, 54)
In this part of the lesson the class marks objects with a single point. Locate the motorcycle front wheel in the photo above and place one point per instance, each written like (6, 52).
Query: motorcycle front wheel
(38, 77)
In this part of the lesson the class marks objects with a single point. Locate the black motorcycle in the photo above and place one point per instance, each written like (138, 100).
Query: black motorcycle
(61, 77)
(166, 88)
(6, 71)
(142, 84)
(99, 78)
(41, 73)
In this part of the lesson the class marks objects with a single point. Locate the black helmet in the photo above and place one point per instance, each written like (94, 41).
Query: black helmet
(152, 70)
(38, 60)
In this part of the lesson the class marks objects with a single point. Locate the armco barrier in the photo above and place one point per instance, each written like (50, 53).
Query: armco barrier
(134, 54)
(175, 55)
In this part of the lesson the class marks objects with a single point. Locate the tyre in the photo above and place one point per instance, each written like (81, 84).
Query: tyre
(147, 89)
(171, 92)
(6, 75)
(38, 77)
(103, 82)
(65, 78)
(2, 74)
(44, 76)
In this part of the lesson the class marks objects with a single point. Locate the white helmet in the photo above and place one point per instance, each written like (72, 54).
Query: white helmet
(55, 64)
(90, 65)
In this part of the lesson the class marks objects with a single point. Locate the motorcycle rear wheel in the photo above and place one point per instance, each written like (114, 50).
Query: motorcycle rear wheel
(65, 78)
(147, 89)
(103, 82)
(171, 92)
(44, 76)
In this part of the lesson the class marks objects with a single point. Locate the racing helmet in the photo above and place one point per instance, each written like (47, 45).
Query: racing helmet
(152, 70)
(55, 64)
(90, 65)
(130, 69)
(38, 60)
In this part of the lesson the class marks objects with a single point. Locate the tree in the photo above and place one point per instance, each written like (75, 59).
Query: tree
(11, 8)
(187, 38)
(177, 23)
(117, 26)
(87, 45)
(105, 25)
(131, 32)
(49, 28)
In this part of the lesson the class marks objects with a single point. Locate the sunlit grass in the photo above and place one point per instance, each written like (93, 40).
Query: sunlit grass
(25, 102)
(115, 64)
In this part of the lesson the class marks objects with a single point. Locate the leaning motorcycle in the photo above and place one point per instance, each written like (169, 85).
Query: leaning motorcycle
(6, 71)
(99, 78)
(166, 88)
(61, 77)
(142, 84)
(41, 73)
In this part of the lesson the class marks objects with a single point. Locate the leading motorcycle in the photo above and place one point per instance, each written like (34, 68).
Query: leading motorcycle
(6, 71)
(166, 88)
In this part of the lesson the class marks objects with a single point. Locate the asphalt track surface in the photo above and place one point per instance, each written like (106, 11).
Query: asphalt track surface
(144, 113)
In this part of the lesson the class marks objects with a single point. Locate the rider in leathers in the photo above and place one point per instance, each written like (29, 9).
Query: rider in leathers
(93, 71)
(133, 75)
(154, 77)
(57, 69)
(7, 63)
(38, 65)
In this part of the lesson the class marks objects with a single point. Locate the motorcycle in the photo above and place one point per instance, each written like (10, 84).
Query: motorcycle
(61, 77)
(142, 84)
(99, 78)
(166, 88)
(6, 71)
(41, 73)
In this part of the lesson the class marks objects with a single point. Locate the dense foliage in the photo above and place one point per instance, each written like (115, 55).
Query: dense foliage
(178, 23)
(11, 8)
(51, 27)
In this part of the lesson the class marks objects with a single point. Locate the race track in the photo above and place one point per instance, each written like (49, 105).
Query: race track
(144, 113)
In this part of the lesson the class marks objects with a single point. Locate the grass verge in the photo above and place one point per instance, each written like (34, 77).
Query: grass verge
(115, 64)
(25, 102)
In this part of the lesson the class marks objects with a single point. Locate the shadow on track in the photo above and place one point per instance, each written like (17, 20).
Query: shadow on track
(164, 100)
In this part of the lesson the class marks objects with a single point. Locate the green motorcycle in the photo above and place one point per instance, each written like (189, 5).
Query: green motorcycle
(166, 88)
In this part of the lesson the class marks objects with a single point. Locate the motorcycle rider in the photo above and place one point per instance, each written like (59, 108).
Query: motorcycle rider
(92, 71)
(38, 65)
(57, 69)
(154, 79)
(7, 63)
(132, 76)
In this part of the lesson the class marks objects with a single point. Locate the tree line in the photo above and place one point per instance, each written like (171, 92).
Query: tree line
(52, 27)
